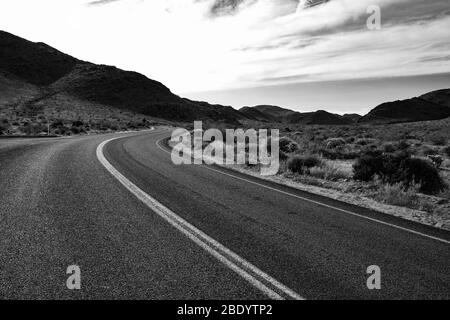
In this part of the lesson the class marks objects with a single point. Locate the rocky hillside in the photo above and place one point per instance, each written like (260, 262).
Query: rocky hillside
(32, 72)
(267, 113)
(431, 106)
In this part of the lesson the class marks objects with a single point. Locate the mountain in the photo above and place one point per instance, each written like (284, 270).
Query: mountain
(440, 97)
(320, 117)
(33, 72)
(257, 115)
(353, 117)
(268, 113)
(431, 106)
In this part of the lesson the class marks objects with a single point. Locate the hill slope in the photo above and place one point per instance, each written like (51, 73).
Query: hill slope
(431, 106)
(269, 113)
(50, 72)
(441, 97)
(320, 117)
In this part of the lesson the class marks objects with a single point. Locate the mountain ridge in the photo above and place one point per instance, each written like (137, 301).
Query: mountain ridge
(47, 69)
(34, 73)
(422, 108)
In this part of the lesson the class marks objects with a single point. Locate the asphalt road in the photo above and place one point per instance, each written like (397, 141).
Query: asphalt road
(60, 206)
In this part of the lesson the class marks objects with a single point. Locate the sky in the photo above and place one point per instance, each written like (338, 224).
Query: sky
(246, 52)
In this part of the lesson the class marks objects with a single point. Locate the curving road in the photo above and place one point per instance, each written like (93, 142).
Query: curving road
(200, 233)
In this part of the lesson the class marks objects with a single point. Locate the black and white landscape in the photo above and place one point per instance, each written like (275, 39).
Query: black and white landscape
(93, 206)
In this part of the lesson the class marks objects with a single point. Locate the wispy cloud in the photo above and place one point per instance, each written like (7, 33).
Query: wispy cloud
(100, 2)
(198, 45)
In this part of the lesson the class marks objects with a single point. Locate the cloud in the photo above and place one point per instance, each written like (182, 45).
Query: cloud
(199, 45)
(101, 2)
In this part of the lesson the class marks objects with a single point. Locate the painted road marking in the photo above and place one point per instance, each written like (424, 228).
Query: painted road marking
(259, 279)
(316, 202)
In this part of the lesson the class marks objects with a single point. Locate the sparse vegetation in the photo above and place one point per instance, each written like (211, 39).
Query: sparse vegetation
(399, 168)
(446, 151)
(438, 139)
(330, 171)
(300, 164)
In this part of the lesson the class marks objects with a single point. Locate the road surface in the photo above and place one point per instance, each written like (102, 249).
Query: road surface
(240, 238)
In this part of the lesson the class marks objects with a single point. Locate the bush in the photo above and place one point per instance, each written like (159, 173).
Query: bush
(333, 143)
(338, 154)
(287, 145)
(419, 171)
(403, 145)
(427, 151)
(437, 160)
(397, 195)
(364, 142)
(57, 124)
(367, 166)
(33, 128)
(446, 151)
(389, 147)
(75, 130)
(438, 140)
(299, 164)
(399, 168)
(3, 129)
(330, 172)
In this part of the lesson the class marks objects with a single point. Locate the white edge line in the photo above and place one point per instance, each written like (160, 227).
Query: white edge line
(316, 202)
(204, 241)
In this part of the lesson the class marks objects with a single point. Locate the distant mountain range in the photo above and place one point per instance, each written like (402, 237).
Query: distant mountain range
(32, 74)
(267, 113)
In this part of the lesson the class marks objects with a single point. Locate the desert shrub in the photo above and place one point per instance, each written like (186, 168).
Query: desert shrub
(338, 154)
(287, 145)
(283, 156)
(350, 139)
(398, 195)
(56, 124)
(62, 130)
(438, 140)
(419, 171)
(333, 143)
(329, 172)
(3, 128)
(299, 164)
(427, 151)
(75, 130)
(444, 193)
(77, 123)
(399, 168)
(364, 141)
(367, 166)
(32, 128)
(436, 159)
(403, 145)
(446, 151)
(318, 172)
(389, 147)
